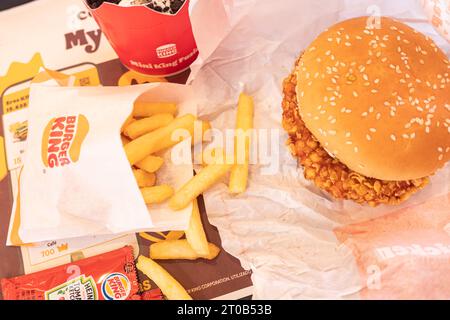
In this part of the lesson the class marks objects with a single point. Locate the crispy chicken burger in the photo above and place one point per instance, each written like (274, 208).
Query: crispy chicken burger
(367, 111)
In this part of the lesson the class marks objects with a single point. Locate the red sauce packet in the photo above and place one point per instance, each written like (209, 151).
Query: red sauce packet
(108, 276)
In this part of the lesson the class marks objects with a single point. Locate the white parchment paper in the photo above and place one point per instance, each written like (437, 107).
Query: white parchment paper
(282, 227)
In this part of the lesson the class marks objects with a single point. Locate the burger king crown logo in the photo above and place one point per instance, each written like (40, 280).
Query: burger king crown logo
(62, 140)
(116, 286)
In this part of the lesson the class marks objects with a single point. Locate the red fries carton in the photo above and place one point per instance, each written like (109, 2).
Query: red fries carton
(108, 276)
(147, 41)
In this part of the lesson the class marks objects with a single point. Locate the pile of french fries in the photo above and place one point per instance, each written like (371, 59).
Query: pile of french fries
(194, 247)
(147, 132)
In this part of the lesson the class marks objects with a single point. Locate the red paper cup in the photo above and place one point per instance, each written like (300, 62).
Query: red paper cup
(147, 41)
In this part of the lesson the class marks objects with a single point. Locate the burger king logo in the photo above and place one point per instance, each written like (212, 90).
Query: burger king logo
(167, 50)
(62, 140)
(116, 286)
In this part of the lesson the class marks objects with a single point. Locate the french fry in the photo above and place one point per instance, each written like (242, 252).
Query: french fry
(180, 249)
(144, 178)
(169, 286)
(139, 127)
(129, 120)
(206, 125)
(210, 155)
(195, 234)
(207, 177)
(216, 156)
(244, 122)
(150, 163)
(171, 235)
(144, 109)
(158, 140)
(156, 194)
(124, 140)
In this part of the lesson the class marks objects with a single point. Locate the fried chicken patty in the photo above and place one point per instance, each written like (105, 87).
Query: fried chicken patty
(328, 173)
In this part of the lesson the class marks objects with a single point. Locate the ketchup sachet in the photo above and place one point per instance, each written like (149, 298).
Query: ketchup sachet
(108, 276)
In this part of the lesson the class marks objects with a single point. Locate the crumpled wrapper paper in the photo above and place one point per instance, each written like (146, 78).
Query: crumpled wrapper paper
(300, 243)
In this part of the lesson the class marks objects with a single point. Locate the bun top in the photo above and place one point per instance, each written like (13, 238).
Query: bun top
(377, 99)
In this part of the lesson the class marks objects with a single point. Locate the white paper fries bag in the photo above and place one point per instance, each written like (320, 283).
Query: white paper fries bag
(300, 243)
(76, 180)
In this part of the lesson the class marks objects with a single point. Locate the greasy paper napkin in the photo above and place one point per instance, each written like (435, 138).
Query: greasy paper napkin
(298, 241)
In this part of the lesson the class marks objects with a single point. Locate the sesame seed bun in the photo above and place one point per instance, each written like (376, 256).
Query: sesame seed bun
(377, 99)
